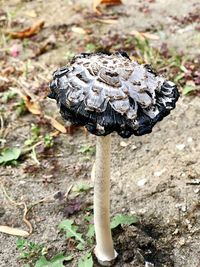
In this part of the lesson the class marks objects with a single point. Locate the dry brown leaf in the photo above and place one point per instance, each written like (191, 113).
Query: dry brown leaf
(57, 125)
(54, 134)
(111, 2)
(96, 3)
(13, 231)
(33, 107)
(108, 21)
(28, 32)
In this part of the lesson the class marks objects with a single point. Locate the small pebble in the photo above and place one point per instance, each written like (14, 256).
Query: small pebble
(142, 182)
(190, 140)
(148, 264)
(196, 191)
(159, 173)
(184, 208)
(21, 182)
(182, 241)
(133, 147)
(180, 146)
(123, 144)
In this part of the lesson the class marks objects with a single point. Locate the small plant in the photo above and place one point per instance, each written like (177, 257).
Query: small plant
(48, 141)
(88, 150)
(21, 107)
(71, 231)
(86, 260)
(30, 251)
(56, 261)
(91, 47)
(81, 188)
(86, 240)
(189, 89)
(35, 132)
(69, 55)
(121, 219)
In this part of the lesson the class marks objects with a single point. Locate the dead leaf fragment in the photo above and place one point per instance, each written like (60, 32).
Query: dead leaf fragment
(78, 30)
(96, 3)
(150, 36)
(57, 125)
(32, 107)
(13, 231)
(146, 35)
(28, 32)
(107, 21)
(31, 13)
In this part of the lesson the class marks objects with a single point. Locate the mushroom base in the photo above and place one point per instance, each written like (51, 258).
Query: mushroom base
(104, 260)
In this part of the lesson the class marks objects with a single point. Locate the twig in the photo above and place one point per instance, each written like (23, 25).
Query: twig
(2, 129)
(194, 182)
(25, 220)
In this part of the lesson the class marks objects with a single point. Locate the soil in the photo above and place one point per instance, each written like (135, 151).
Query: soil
(155, 177)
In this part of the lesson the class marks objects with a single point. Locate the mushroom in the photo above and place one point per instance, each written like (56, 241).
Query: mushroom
(110, 93)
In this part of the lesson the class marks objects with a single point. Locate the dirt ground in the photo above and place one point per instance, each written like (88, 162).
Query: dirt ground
(156, 176)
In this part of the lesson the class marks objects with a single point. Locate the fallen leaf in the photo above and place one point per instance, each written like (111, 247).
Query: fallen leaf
(108, 21)
(28, 32)
(13, 231)
(33, 107)
(96, 3)
(57, 125)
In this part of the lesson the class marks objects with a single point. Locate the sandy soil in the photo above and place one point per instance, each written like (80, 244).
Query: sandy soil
(155, 177)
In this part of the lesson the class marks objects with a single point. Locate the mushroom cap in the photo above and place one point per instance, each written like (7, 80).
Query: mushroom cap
(109, 92)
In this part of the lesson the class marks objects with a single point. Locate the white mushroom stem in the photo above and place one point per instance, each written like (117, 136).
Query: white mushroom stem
(104, 249)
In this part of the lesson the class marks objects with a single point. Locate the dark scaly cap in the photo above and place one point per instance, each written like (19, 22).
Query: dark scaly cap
(109, 92)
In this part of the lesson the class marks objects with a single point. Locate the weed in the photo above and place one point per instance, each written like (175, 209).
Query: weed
(81, 188)
(71, 230)
(56, 261)
(9, 156)
(91, 48)
(30, 251)
(85, 241)
(48, 141)
(35, 132)
(88, 150)
(86, 260)
(69, 55)
(21, 107)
